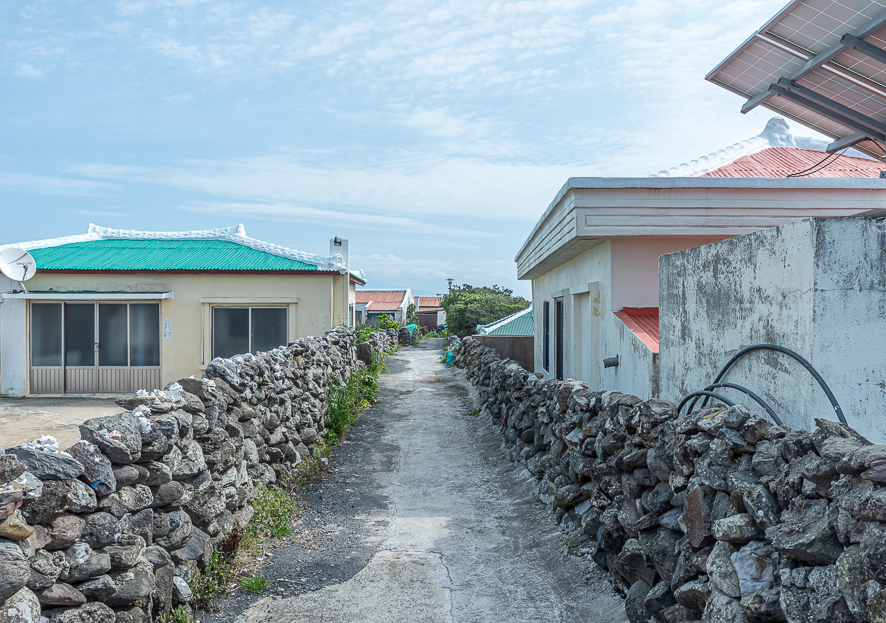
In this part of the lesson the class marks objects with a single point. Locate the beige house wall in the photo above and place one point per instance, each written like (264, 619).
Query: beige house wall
(316, 303)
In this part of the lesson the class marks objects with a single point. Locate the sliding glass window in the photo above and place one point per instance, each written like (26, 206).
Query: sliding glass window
(46, 334)
(239, 330)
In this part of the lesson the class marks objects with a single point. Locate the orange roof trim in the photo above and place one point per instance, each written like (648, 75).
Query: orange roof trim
(643, 322)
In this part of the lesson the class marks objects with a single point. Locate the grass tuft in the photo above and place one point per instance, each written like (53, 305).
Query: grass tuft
(182, 614)
(254, 584)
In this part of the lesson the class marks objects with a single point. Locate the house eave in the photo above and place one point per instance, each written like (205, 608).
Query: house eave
(588, 209)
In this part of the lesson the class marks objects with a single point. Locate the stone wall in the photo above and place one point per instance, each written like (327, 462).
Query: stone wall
(715, 516)
(112, 529)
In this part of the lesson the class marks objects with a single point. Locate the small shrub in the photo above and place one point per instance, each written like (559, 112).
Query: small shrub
(213, 580)
(275, 509)
(378, 365)
(254, 584)
(346, 400)
(386, 322)
(363, 331)
(308, 471)
(230, 545)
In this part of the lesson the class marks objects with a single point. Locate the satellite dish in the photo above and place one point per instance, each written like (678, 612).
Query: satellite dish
(18, 265)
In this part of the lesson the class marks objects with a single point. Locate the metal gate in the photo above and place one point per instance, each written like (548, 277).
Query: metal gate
(107, 347)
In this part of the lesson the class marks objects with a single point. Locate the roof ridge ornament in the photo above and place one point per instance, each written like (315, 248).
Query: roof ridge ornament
(777, 133)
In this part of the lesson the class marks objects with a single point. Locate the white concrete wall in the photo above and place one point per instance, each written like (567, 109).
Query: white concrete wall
(14, 341)
(591, 330)
(816, 286)
(591, 267)
(637, 371)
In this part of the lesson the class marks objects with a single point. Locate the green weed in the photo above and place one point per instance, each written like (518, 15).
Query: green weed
(474, 413)
(275, 508)
(254, 585)
(182, 614)
(213, 580)
(378, 365)
(346, 400)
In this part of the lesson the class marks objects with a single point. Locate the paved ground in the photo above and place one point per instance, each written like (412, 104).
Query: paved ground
(24, 419)
(422, 519)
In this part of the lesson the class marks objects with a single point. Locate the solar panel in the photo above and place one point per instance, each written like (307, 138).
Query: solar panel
(821, 63)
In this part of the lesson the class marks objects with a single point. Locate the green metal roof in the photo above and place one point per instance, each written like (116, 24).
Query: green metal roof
(516, 324)
(161, 255)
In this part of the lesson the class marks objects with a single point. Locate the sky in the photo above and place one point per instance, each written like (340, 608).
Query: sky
(431, 134)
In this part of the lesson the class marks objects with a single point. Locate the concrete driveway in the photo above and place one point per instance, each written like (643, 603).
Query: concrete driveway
(24, 419)
(452, 532)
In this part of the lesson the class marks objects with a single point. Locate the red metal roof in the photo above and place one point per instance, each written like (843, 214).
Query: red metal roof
(643, 322)
(782, 161)
(389, 300)
(423, 302)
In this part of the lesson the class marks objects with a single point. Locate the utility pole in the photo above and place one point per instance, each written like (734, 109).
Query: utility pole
(450, 280)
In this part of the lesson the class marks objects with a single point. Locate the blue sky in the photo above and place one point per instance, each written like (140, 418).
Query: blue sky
(431, 134)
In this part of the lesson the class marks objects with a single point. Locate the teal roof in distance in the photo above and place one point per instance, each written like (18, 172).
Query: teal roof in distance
(521, 323)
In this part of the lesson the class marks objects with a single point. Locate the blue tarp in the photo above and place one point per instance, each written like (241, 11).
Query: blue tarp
(448, 355)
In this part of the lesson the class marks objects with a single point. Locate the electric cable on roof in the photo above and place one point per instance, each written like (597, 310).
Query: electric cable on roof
(822, 164)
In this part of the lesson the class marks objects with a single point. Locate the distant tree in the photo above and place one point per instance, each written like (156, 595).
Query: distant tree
(467, 306)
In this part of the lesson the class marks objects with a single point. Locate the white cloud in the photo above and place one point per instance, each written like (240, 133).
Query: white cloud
(405, 183)
(299, 214)
(46, 185)
(27, 70)
(110, 213)
(442, 124)
(407, 270)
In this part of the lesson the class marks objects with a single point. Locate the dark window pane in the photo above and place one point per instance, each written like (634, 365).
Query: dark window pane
(144, 334)
(46, 334)
(268, 328)
(560, 343)
(547, 336)
(79, 334)
(112, 334)
(230, 331)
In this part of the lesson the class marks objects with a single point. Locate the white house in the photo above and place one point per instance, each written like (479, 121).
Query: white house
(593, 256)
(374, 303)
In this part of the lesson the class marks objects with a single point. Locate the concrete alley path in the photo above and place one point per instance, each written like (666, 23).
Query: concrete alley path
(437, 524)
